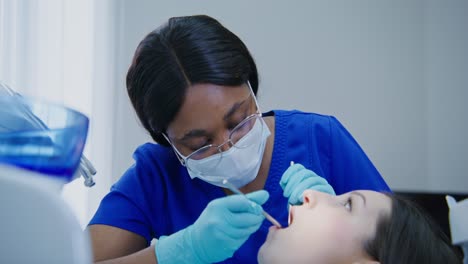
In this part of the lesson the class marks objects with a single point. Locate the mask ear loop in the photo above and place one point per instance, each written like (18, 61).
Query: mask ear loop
(255, 98)
(180, 157)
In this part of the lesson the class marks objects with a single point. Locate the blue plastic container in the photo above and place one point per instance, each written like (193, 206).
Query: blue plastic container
(41, 136)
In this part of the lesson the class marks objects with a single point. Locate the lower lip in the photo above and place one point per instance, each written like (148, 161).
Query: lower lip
(272, 232)
(273, 228)
(291, 214)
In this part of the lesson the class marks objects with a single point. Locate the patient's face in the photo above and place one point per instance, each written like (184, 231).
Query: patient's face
(326, 229)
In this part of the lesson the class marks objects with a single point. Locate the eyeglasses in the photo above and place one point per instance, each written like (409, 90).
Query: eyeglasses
(234, 141)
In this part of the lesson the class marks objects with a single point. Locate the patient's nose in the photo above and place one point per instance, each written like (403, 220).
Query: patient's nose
(311, 198)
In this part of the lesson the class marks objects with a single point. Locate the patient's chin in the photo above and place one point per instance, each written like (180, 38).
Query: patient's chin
(263, 255)
(271, 248)
(269, 253)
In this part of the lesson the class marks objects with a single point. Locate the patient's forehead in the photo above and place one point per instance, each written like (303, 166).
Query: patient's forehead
(375, 206)
(377, 202)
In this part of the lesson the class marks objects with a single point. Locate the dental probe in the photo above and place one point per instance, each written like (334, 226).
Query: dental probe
(289, 205)
(235, 190)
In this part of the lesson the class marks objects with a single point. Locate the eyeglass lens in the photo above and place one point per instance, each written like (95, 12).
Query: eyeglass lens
(234, 139)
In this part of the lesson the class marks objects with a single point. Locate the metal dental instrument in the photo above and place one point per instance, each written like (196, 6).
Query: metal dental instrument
(87, 170)
(289, 205)
(234, 189)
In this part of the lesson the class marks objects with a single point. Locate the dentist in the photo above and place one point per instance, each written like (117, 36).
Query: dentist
(193, 85)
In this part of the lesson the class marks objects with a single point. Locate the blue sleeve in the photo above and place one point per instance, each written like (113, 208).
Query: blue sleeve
(128, 204)
(350, 168)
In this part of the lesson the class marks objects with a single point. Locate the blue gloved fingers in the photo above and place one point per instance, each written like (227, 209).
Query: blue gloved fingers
(319, 184)
(243, 220)
(244, 212)
(292, 170)
(325, 188)
(241, 234)
(295, 179)
(259, 197)
(235, 236)
(235, 204)
(295, 197)
(314, 183)
(227, 234)
(223, 226)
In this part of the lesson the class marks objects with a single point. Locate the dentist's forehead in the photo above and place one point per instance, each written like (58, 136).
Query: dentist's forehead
(205, 106)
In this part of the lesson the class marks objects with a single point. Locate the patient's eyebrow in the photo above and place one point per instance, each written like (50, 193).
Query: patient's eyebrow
(360, 195)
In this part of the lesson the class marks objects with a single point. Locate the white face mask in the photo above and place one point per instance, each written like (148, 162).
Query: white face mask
(239, 166)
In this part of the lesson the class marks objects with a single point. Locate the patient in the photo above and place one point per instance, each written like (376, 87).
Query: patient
(357, 227)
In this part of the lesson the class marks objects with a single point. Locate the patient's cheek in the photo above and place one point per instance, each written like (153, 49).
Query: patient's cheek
(340, 231)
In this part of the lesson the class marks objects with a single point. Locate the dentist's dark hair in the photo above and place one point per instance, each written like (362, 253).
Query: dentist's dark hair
(409, 235)
(183, 52)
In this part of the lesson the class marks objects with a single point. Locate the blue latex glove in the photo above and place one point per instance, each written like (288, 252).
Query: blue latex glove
(224, 225)
(296, 179)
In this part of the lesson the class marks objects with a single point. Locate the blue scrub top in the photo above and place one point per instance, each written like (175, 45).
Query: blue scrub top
(156, 196)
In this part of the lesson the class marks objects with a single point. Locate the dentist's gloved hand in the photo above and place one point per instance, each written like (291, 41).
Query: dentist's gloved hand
(296, 179)
(224, 225)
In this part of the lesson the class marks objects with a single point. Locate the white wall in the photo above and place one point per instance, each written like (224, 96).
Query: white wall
(446, 88)
(394, 73)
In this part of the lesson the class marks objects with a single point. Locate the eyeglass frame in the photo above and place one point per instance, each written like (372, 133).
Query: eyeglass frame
(183, 159)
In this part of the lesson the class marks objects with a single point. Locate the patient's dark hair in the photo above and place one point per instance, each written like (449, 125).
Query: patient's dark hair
(409, 235)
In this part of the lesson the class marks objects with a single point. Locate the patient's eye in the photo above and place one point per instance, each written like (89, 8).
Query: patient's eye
(349, 204)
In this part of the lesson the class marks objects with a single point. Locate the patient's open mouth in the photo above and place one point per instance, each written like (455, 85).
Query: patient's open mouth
(290, 215)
